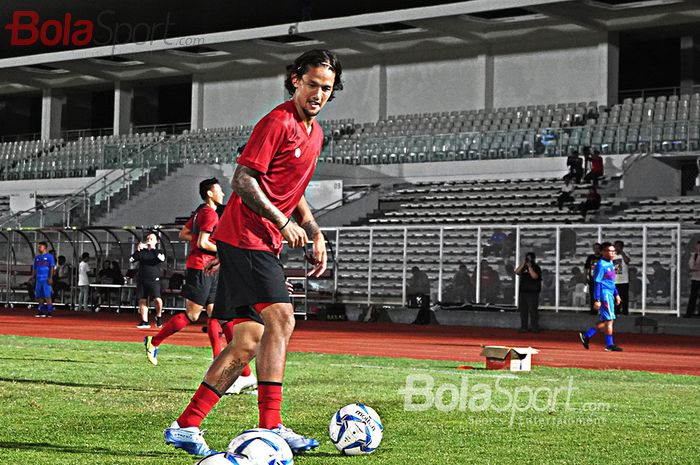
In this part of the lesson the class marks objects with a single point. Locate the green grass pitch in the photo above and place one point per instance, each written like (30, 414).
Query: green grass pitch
(67, 402)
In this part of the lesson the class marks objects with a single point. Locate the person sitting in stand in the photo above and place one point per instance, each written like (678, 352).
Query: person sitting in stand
(565, 196)
(592, 202)
(597, 169)
(575, 165)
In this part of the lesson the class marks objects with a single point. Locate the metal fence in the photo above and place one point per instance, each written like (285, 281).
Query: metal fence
(372, 265)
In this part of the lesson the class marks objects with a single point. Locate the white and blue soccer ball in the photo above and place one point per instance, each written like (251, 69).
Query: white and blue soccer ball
(262, 447)
(225, 458)
(356, 429)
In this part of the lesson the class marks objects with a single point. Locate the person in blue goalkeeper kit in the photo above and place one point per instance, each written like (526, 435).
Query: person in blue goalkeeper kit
(605, 298)
(42, 274)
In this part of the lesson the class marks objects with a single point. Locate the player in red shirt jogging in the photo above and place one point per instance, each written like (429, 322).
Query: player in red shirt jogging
(200, 288)
(269, 182)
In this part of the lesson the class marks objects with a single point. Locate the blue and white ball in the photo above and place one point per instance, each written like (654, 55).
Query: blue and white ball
(224, 458)
(262, 447)
(356, 429)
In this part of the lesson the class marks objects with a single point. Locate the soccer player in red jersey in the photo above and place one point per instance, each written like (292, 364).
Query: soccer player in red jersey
(200, 288)
(269, 183)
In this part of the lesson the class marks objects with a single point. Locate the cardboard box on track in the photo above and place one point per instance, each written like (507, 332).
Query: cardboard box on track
(513, 358)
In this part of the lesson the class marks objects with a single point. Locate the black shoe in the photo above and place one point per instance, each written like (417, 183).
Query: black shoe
(536, 330)
(522, 330)
(584, 340)
(613, 348)
(159, 322)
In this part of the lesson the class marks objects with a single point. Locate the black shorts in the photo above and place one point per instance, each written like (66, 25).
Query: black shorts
(146, 289)
(199, 287)
(246, 278)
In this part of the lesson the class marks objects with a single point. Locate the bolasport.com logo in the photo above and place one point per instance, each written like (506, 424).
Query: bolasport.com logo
(28, 28)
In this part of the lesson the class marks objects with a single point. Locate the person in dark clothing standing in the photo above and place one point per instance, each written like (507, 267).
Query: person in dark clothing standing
(529, 295)
(418, 292)
(588, 268)
(694, 268)
(150, 260)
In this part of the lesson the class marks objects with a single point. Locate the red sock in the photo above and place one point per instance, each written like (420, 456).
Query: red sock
(173, 325)
(199, 407)
(228, 331)
(269, 404)
(214, 333)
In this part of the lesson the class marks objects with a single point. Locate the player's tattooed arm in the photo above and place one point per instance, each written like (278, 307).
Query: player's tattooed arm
(245, 184)
(312, 228)
(305, 218)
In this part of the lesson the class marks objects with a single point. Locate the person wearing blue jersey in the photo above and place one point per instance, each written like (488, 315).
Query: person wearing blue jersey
(42, 274)
(605, 298)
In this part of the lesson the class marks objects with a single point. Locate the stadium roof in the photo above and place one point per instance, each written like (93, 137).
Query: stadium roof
(436, 28)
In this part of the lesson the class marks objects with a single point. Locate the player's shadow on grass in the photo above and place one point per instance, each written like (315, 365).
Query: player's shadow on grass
(106, 387)
(44, 446)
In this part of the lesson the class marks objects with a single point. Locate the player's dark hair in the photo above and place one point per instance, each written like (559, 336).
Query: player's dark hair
(85, 256)
(148, 233)
(606, 245)
(312, 59)
(44, 244)
(205, 186)
(622, 243)
(531, 255)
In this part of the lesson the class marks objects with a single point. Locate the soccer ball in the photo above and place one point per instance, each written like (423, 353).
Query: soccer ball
(224, 458)
(262, 446)
(356, 429)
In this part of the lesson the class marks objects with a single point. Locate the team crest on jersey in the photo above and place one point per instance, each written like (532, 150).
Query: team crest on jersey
(297, 152)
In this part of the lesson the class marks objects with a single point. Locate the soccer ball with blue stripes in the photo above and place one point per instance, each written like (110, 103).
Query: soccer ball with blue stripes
(261, 446)
(356, 429)
(224, 458)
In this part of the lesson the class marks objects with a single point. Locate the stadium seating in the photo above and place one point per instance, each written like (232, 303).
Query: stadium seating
(662, 125)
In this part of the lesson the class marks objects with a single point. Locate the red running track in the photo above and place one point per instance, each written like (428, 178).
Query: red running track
(461, 344)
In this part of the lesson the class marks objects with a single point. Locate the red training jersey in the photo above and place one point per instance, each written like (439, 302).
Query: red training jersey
(281, 149)
(204, 219)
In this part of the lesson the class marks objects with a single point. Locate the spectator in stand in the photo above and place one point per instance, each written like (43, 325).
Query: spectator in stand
(565, 196)
(660, 281)
(548, 293)
(460, 289)
(496, 242)
(529, 293)
(508, 287)
(575, 165)
(597, 169)
(694, 268)
(490, 283)
(592, 202)
(635, 285)
(586, 152)
(588, 268)
(569, 287)
(418, 292)
(622, 273)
